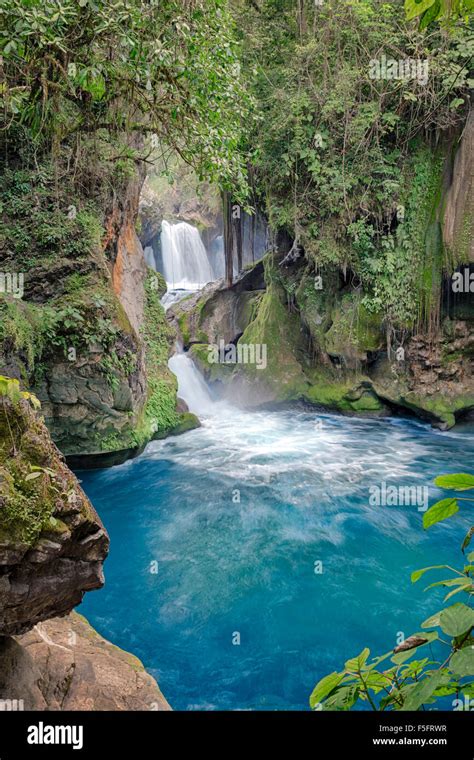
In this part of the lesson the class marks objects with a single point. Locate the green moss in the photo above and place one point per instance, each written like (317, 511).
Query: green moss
(212, 371)
(187, 421)
(26, 504)
(184, 328)
(440, 407)
(38, 226)
(354, 330)
(402, 270)
(280, 331)
(159, 414)
(348, 395)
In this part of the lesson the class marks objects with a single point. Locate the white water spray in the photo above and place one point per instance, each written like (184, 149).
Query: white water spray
(185, 262)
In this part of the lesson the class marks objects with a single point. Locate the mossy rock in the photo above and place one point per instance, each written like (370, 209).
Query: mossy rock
(354, 331)
(212, 371)
(350, 395)
(316, 305)
(281, 332)
(187, 421)
(29, 487)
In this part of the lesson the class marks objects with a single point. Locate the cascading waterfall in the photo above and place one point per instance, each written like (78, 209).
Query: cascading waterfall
(185, 262)
(192, 387)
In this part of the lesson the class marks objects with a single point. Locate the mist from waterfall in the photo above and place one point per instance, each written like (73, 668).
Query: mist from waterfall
(185, 262)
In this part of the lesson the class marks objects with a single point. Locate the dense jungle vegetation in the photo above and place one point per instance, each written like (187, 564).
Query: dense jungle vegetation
(271, 99)
(275, 103)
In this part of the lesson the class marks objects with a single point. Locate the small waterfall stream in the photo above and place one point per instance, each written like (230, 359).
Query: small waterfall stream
(192, 387)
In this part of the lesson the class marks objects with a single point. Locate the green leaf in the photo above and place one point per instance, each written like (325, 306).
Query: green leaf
(462, 662)
(376, 681)
(461, 481)
(440, 511)
(416, 574)
(457, 619)
(467, 539)
(324, 687)
(431, 14)
(422, 691)
(357, 663)
(10, 387)
(449, 582)
(414, 9)
(33, 475)
(466, 587)
(401, 657)
(468, 690)
(432, 621)
(376, 662)
(343, 698)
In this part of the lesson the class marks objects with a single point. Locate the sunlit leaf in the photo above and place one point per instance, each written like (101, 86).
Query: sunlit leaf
(460, 481)
(440, 511)
(324, 687)
(422, 691)
(417, 574)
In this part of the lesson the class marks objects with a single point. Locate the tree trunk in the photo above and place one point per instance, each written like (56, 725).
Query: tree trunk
(301, 18)
(237, 220)
(228, 239)
(252, 236)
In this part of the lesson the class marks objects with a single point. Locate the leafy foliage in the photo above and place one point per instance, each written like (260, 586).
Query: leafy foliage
(123, 70)
(344, 160)
(406, 684)
(447, 507)
(445, 11)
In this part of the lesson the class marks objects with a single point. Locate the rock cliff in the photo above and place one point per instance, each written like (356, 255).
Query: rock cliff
(52, 548)
(87, 333)
(52, 543)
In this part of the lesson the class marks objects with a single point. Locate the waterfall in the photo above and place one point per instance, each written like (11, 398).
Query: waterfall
(191, 385)
(185, 262)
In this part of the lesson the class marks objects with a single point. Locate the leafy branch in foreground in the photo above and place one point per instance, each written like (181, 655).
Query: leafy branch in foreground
(404, 685)
(447, 507)
(444, 11)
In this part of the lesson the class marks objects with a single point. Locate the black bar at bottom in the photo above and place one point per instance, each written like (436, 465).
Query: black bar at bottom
(103, 734)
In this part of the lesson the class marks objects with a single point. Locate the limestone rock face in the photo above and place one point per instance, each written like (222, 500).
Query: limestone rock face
(82, 409)
(52, 542)
(458, 227)
(82, 334)
(64, 664)
(218, 313)
(436, 378)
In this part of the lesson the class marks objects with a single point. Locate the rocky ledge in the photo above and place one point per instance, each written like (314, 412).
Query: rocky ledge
(63, 664)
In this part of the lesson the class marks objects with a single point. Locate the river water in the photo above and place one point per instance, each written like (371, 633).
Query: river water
(247, 560)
